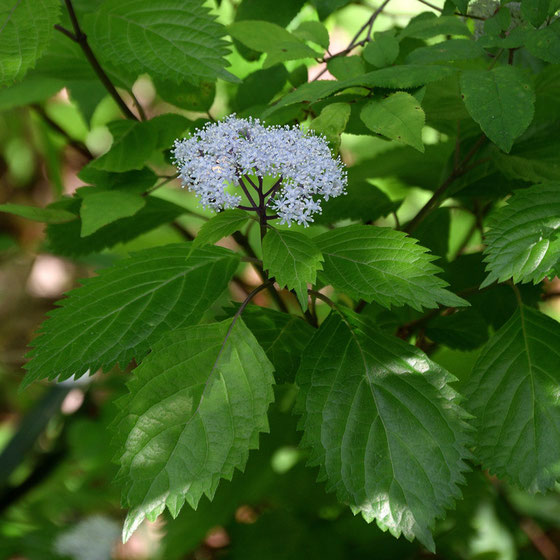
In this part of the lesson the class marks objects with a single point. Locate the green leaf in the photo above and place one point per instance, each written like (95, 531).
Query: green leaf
(533, 159)
(513, 394)
(132, 181)
(462, 5)
(101, 208)
(260, 87)
(134, 142)
(498, 23)
(66, 240)
(282, 336)
(346, 67)
(429, 25)
(315, 32)
(32, 89)
(523, 241)
(501, 101)
(422, 170)
(171, 40)
(187, 96)
(293, 259)
(281, 13)
(326, 7)
(383, 50)
(383, 265)
(119, 314)
(545, 43)
(399, 117)
(332, 122)
(383, 425)
(26, 27)
(195, 408)
(264, 36)
(454, 49)
(221, 225)
(363, 201)
(404, 76)
(464, 330)
(535, 11)
(46, 215)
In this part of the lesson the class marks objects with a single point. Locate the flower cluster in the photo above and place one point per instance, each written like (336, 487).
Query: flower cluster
(233, 151)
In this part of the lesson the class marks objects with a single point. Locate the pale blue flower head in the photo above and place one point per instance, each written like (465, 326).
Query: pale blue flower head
(223, 153)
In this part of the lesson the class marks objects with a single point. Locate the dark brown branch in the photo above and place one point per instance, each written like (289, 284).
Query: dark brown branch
(434, 201)
(66, 32)
(354, 43)
(81, 38)
(76, 144)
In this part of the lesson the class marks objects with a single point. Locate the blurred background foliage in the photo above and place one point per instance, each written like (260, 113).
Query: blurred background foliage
(57, 496)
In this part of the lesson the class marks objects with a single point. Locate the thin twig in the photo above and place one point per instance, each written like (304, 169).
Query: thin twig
(66, 32)
(76, 144)
(354, 43)
(138, 106)
(457, 172)
(440, 10)
(183, 231)
(159, 185)
(81, 38)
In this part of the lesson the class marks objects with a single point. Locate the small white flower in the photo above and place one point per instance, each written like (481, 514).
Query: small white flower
(222, 157)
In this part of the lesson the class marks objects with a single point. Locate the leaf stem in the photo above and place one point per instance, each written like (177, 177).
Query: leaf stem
(81, 38)
(247, 194)
(243, 241)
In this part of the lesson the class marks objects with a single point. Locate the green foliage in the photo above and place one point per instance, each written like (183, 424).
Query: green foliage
(270, 38)
(428, 25)
(513, 395)
(446, 127)
(315, 32)
(364, 203)
(383, 50)
(283, 338)
(385, 453)
(96, 327)
(260, 87)
(399, 117)
(191, 397)
(382, 265)
(46, 215)
(501, 101)
(66, 239)
(173, 40)
(535, 11)
(293, 259)
(523, 239)
(220, 226)
(26, 27)
(332, 122)
(102, 208)
(464, 330)
(446, 51)
(135, 142)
